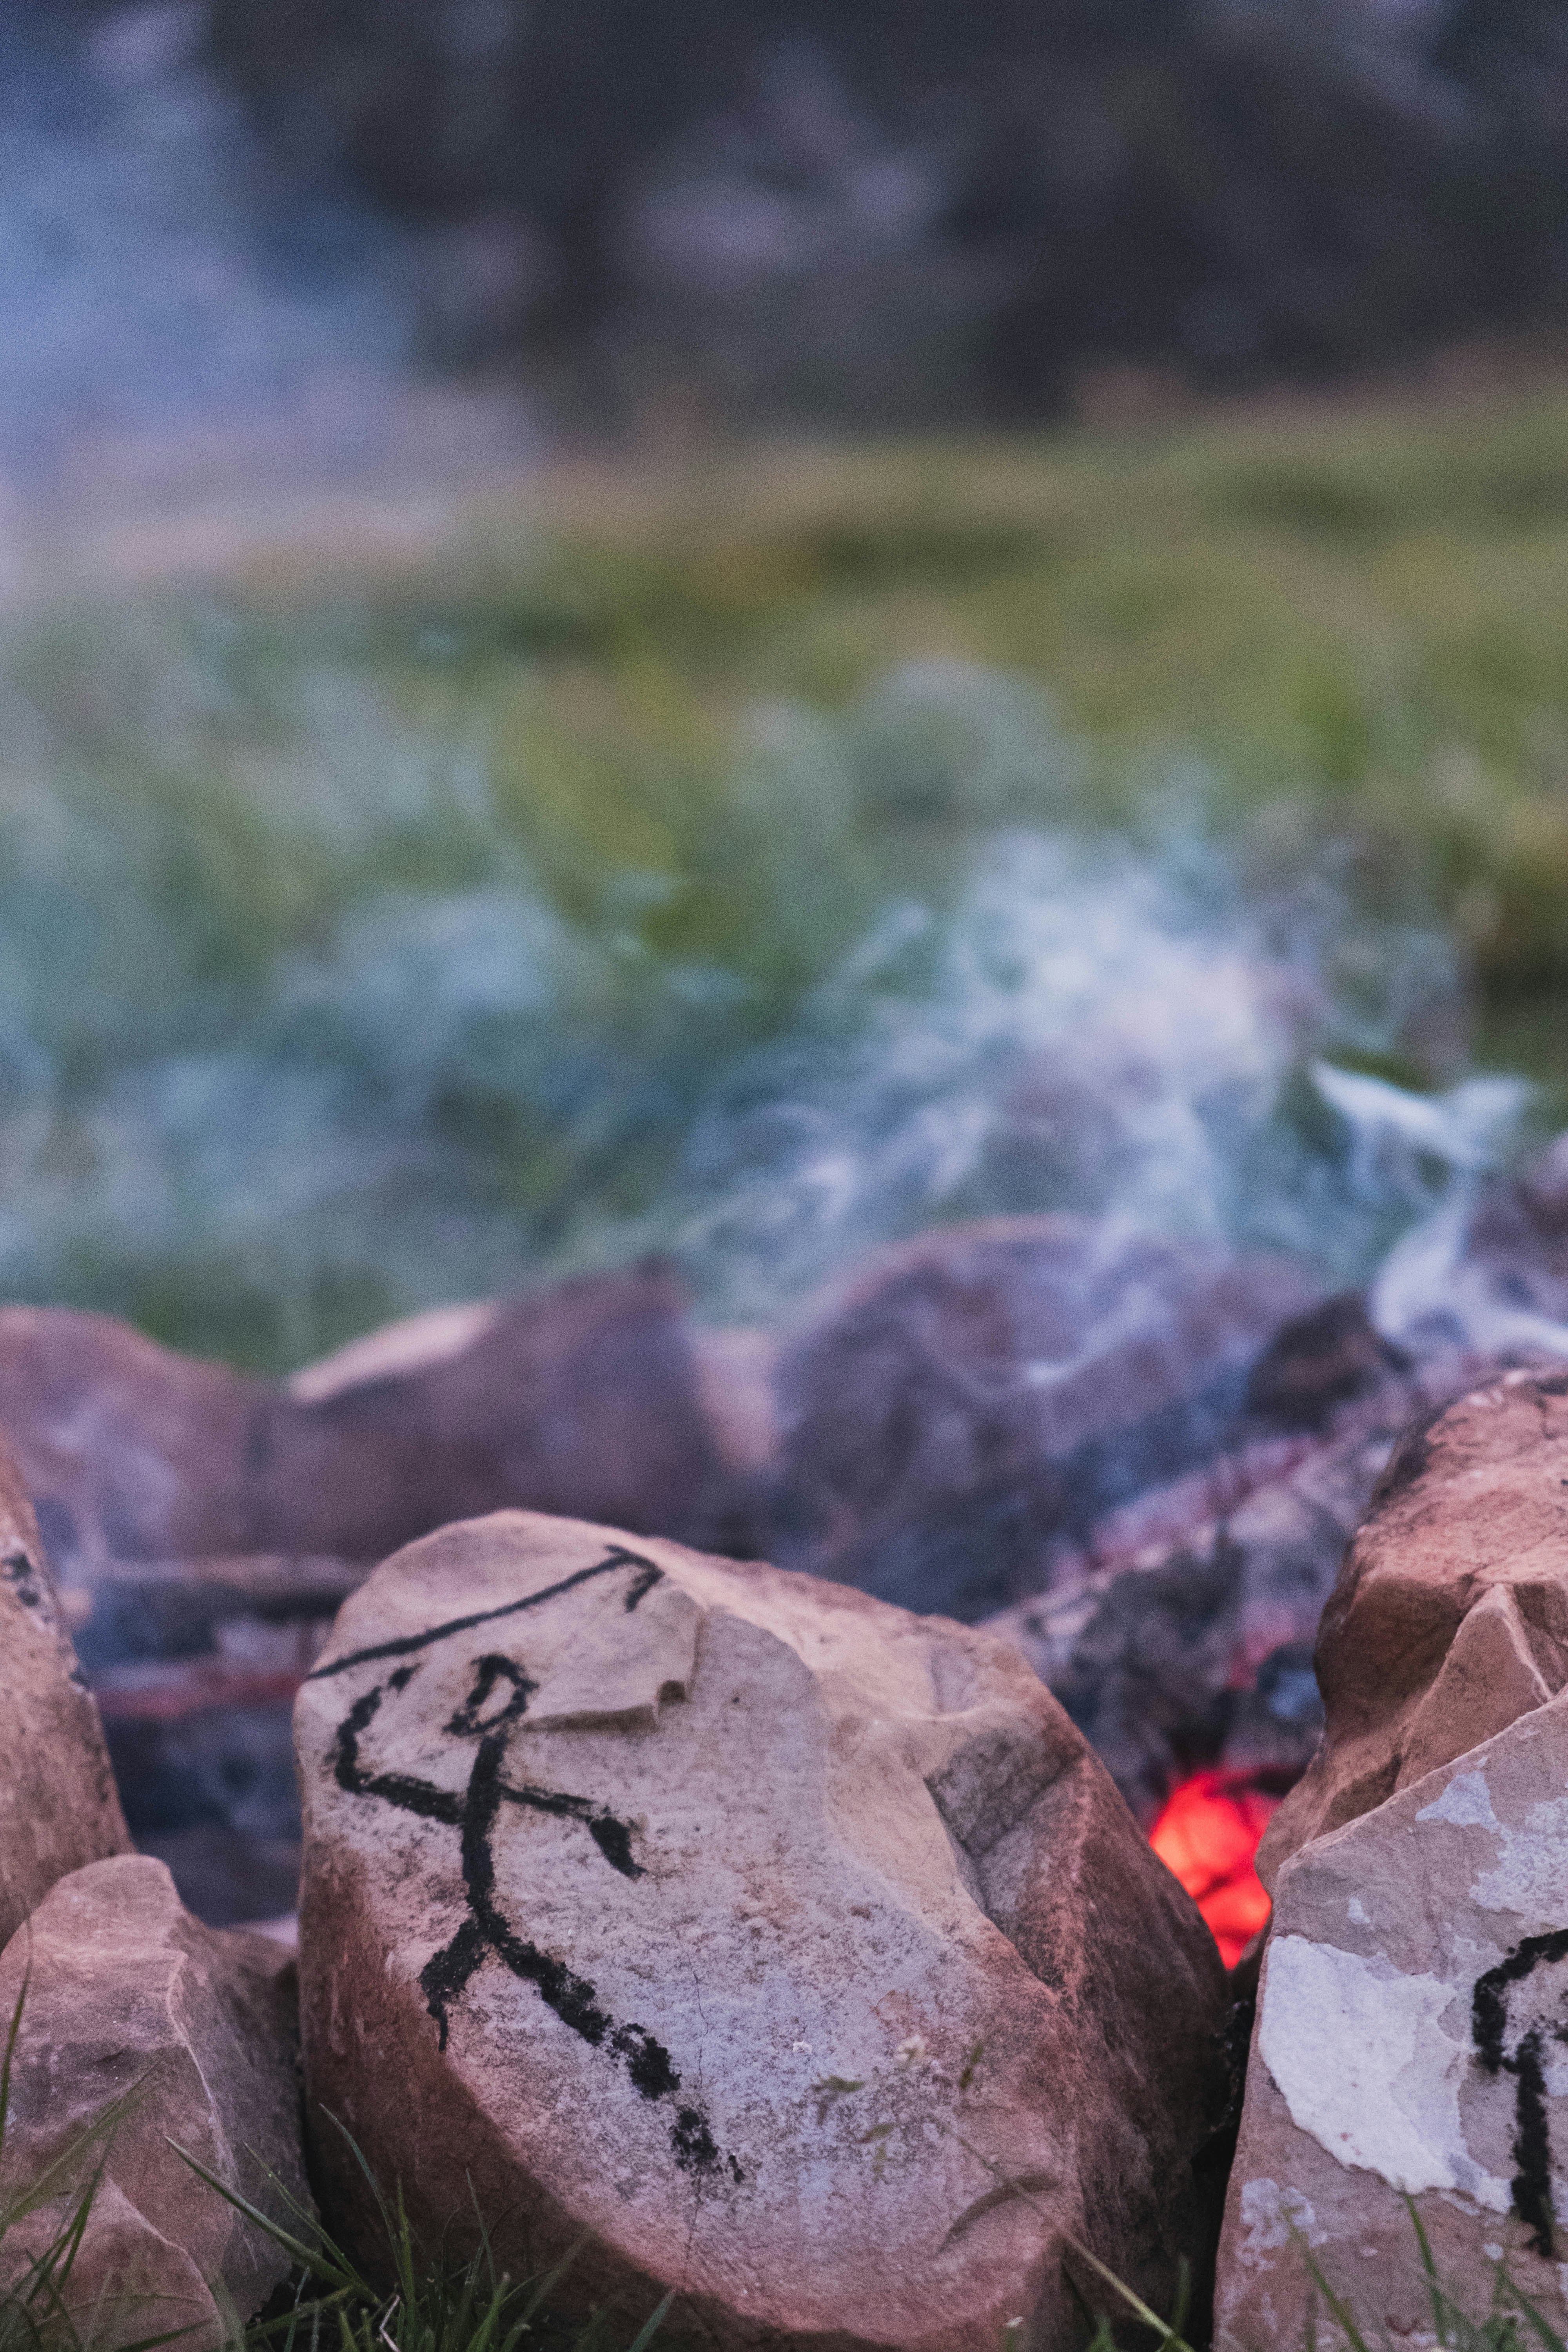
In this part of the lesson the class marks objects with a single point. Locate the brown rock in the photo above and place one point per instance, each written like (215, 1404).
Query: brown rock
(793, 1951)
(412, 1344)
(977, 1399)
(1318, 1363)
(1450, 1614)
(128, 1994)
(1409, 2019)
(58, 1808)
(1196, 1647)
(135, 1452)
(583, 1397)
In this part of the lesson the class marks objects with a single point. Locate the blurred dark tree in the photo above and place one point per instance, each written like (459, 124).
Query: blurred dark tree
(899, 204)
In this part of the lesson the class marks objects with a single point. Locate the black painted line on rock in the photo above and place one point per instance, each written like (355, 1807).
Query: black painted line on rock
(400, 1789)
(1531, 2137)
(470, 1722)
(20, 1573)
(642, 1583)
(473, 1812)
(610, 1834)
(408, 1643)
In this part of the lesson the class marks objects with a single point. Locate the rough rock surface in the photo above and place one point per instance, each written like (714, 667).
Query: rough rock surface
(975, 1402)
(132, 1451)
(734, 1371)
(1408, 2039)
(58, 1808)
(583, 1397)
(795, 1951)
(1415, 1976)
(1450, 1615)
(1195, 1648)
(127, 1990)
(207, 1525)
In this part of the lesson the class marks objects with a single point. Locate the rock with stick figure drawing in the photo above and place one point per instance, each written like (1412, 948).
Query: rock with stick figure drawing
(1409, 2047)
(762, 1940)
(1413, 2010)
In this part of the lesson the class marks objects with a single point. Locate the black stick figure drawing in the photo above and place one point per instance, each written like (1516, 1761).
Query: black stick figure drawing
(1489, 2020)
(496, 1702)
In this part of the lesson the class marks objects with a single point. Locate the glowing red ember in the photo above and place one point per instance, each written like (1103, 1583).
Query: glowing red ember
(1206, 1836)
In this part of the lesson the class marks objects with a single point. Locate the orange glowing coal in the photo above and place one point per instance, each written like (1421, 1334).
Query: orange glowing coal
(1206, 1836)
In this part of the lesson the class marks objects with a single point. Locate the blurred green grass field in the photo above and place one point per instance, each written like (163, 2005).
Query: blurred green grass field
(1365, 613)
(1369, 612)
(647, 691)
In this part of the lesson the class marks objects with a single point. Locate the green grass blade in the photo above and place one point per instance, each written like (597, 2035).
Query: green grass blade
(652, 2325)
(375, 2186)
(312, 2258)
(1439, 2301)
(545, 2285)
(1344, 2317)
(13, 2034)
(1548, 2335)
(1169, 2339)
(57, 2175)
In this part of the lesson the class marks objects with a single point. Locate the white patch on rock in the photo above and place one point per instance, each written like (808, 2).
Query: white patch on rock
(1467, 1801)
(1531, 1866)
(1366, 2066)
(1268, 2213)
(1357, 1913)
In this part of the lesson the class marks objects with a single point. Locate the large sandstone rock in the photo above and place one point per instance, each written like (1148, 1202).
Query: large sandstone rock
(794, 1952)
(132, 1451)
(732, 1369)
(971, 1403)
(58, 1808)
(128, 1994)
(582, 1397)
(1450, 1614)
(1414, 1980)
(1409, 2034)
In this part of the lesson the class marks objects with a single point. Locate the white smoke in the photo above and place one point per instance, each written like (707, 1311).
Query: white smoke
(1431, 1291)
(304, 1037)
(153, 276)
(1085, 1027)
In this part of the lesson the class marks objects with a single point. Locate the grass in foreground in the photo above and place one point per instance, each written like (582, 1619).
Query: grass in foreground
(421, 2302)
(1368, 607)
(38, 2311)
(1511, 2323)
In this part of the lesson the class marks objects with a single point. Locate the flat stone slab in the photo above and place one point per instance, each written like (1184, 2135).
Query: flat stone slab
(1410, 2040)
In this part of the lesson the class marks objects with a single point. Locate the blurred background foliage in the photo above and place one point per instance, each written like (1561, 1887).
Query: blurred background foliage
(408, 919)
(904, 206)
(605, 613)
